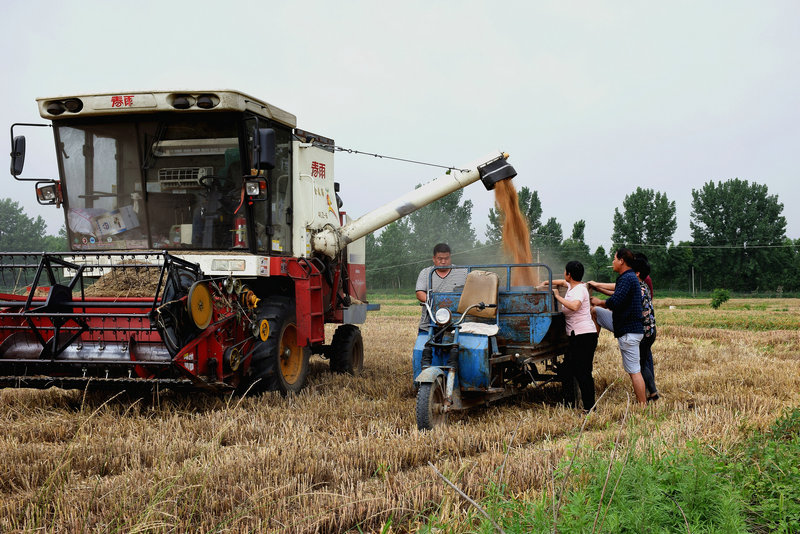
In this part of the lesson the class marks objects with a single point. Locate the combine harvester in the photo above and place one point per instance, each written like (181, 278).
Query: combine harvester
(208, 248)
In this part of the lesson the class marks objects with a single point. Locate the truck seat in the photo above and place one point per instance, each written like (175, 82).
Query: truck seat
(481, 286)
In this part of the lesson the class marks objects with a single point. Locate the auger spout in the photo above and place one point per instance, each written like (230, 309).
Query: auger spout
(489, 170)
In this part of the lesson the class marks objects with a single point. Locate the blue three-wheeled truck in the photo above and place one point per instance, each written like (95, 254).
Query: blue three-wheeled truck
(488, 341)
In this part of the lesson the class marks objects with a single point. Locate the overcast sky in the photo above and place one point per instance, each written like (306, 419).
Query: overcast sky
(590, 98)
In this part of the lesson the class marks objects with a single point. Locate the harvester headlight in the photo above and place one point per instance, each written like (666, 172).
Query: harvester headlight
(55, 107)
(442, 316)
(182, 101)
(207, 101)
(256, 188)
(251, 188)
(47, 193)
(73, 105)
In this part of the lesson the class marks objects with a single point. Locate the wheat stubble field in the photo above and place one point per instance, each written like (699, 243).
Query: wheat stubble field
(345, 454)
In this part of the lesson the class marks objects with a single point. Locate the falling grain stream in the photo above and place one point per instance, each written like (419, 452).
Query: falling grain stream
(516, 237)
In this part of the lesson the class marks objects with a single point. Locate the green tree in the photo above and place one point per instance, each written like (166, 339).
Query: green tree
(549, 235)
(677, 273)
(648, 218)
(646, 224)
(18, 232)
(600, 270)
(574, 247)
(396, 255)
(389, 257)
(372, 252)
(737, 223)
(792, 269)
(56, 243)
(529, 206)
(578, 231)
(546, 244)
(448, 220)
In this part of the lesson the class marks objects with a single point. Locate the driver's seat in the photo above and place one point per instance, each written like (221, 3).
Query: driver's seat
(481, 286)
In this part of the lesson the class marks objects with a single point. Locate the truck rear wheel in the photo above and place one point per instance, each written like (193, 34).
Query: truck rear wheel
(347, 350)
(280, 363)
(431, 404)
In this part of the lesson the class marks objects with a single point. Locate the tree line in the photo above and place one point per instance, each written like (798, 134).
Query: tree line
(738, 240)
(21, 233)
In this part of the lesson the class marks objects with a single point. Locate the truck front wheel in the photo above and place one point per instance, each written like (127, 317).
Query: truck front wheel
(431, 402)
(280, 363)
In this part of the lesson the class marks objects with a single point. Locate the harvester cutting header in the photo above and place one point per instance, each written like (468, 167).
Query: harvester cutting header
(226, 213)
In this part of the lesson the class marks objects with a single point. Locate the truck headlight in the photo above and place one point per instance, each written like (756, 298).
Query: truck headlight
(442, 316)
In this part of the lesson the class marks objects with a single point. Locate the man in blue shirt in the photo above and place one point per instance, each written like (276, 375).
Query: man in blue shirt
(621, 313)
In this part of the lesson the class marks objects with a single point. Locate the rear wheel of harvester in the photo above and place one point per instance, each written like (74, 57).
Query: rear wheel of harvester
(279, 361)
(431, 405)
(347, 350)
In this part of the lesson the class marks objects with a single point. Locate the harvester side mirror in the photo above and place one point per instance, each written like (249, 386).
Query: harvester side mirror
(264, 151)
(17, 155)
(495, 171)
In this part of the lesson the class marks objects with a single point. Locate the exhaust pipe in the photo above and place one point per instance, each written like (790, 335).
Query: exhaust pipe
(490, 170)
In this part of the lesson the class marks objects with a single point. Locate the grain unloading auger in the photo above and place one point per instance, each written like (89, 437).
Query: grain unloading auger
(208, 247)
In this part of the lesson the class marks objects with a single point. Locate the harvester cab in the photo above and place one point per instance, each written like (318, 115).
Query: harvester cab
(208, 247)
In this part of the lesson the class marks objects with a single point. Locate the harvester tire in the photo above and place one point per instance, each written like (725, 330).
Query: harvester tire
(347, 350)
(279, 362)
(430, 404)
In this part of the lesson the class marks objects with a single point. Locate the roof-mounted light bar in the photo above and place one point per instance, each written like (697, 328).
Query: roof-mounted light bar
(187, 101)
(176, 101)
(57, 107)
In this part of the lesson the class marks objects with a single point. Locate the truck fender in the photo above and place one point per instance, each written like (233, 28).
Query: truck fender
(429, 374)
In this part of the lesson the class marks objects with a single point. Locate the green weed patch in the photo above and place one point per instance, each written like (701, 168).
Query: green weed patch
(753, 488)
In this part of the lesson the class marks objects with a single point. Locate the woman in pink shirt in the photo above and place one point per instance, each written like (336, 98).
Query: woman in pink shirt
(582, 333)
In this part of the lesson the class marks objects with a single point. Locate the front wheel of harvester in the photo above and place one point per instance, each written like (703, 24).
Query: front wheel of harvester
(431, 405)
(347, 350)
(279, 361)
